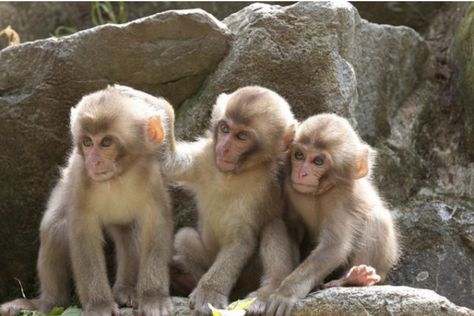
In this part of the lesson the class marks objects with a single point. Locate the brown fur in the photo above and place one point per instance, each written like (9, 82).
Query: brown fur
(237, 209)
(347, 222)
(133, 206)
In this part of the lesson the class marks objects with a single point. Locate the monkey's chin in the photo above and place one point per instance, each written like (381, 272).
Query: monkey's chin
(304, 188)
(225, 166)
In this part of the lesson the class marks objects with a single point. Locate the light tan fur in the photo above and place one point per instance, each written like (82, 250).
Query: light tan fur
(237, 209)
(133, 206)
(348, 222)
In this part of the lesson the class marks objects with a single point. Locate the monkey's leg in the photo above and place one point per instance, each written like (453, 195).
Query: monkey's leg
(191, 254)
(361, 275)
(53, 265)
(88, 264)
(156, 237)
(127, 253)
(216, 284)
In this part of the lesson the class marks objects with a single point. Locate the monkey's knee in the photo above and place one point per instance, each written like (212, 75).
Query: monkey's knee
(187, 238)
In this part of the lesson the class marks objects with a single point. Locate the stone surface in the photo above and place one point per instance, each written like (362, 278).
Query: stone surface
(378, 301)
(168, 54)
(312, 53)
(464, 59)
(437, 247)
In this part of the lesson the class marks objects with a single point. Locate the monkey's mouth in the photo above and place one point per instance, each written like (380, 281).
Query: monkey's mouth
(102, 176)
(304, 187)
(225, 165)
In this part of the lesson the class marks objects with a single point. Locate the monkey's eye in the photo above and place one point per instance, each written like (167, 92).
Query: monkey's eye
(242, 136)
(87, 141)
(106, 141)
(319, 160)
(298, 155)
(224, 128)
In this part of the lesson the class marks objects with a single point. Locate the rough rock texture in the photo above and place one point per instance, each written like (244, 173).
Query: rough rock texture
(410, 97)
(376, 301)
(310, 53)
(464, 57)
(41, 80)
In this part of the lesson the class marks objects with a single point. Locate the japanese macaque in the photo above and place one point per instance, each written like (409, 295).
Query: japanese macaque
(113, 183)
(328, 188)
(233, 176)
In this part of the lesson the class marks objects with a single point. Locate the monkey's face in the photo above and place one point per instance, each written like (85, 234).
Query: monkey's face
(101, 153)
(233, 144)
(309, 165)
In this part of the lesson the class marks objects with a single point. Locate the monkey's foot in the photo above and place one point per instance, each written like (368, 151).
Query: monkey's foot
(13, 307)
(280, 305)
(200, 297)
(101, 309)
(125, 296)
(362, 275)
(158, 306)
(261, 295)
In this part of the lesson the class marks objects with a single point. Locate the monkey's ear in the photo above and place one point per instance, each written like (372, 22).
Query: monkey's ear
(154, 130)
(362, 164)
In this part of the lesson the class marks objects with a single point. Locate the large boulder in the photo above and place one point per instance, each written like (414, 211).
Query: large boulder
(168, 54)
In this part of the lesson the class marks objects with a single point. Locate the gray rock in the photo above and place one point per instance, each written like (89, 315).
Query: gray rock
(434, 237)
(168, 54)
(377, 301)
(322, 57)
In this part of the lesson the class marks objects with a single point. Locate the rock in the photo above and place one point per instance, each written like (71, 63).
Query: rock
(463, 58)
(435, 256)
(377, 300)
(416, 15)
(168, 54)
(320, 56)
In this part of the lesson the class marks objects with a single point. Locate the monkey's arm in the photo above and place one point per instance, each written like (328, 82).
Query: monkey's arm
(156, 248)
(215, 286)
(88, 263)
(332, 251)
(276, 253)
(184, 164)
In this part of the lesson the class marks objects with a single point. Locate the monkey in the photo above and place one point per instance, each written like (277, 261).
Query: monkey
(112, 183)
(330, 195)
(232, 173)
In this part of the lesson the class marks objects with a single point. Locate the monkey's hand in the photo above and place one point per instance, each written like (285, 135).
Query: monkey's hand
(261, 295)
(100, 309)
(125, 295)
(13, 307)
(156, 306)
(201, 296)
(280, 304)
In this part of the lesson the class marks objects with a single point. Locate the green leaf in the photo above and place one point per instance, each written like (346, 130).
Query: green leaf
(72, 311)
(225, 312)
(241, 304)
(56, 311)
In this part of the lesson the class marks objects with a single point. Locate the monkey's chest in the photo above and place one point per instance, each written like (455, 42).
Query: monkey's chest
(117, 204)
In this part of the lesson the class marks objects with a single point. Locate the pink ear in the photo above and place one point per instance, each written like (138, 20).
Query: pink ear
(154, 130)
(362, 164)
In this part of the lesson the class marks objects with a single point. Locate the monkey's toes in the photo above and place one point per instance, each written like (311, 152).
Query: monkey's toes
(362, 275)
(125, 296)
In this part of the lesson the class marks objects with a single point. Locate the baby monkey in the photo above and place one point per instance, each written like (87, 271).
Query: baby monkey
(112, 182)
(348, 226)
